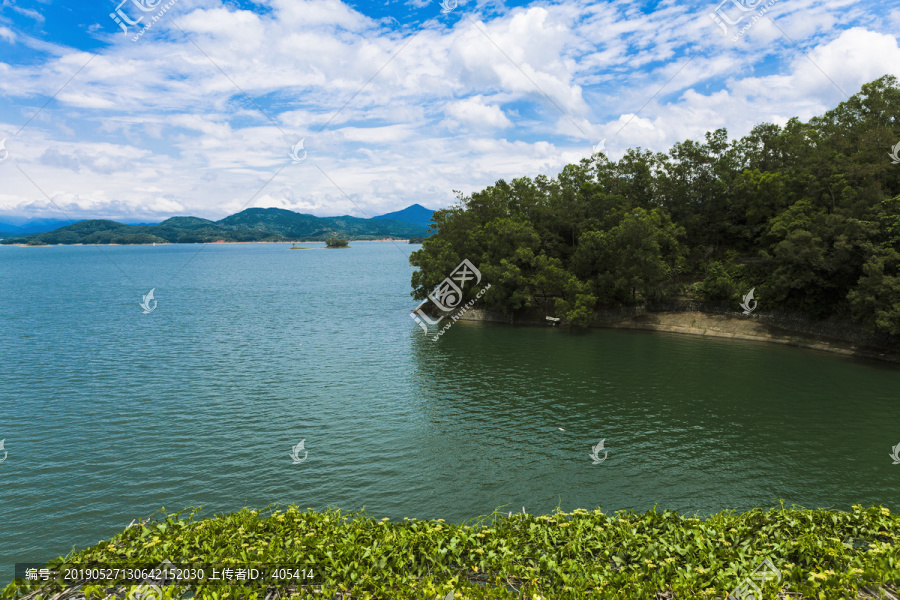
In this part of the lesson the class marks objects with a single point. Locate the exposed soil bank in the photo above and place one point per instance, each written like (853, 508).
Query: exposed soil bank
(728, 326)
(831, 336)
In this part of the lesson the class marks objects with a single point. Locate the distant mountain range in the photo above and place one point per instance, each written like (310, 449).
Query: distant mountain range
(22, 227)
(250, 225)
(416, 213)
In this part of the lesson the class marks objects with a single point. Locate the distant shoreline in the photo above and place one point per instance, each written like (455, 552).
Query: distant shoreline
(195, 243)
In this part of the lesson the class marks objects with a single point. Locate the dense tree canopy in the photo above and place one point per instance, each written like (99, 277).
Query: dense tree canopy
(808, 214)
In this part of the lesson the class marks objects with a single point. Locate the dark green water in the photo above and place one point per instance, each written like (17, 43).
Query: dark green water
(109, 414)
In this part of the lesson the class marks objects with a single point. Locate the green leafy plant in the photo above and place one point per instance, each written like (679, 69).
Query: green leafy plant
(581, 554)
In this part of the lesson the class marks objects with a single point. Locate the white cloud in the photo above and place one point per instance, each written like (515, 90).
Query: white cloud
(474, 112)
(28, 12)
(395, 117)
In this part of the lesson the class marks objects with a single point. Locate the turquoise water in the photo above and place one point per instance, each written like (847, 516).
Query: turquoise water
(109, 414)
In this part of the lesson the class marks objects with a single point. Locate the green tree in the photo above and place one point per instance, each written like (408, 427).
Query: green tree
(637, 259)
(876, 301)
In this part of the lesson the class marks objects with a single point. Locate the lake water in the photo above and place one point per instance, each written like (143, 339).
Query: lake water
(109, 414)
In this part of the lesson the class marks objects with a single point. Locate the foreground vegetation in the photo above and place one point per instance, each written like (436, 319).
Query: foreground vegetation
(819, 554)
(808, 214)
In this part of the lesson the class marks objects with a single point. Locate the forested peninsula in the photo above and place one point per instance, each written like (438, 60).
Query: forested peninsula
(806, 214)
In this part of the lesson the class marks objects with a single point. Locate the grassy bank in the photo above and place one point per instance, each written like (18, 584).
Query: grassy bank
(658, 554)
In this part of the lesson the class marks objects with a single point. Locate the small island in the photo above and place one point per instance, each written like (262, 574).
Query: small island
(336, 243)
(416, 240)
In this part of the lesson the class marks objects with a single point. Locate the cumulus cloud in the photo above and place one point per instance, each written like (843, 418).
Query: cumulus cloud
(474, 112)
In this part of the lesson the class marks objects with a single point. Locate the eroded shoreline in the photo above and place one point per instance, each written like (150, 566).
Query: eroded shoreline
(734, 326)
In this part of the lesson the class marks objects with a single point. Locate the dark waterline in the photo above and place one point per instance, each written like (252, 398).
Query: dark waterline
(110, 414)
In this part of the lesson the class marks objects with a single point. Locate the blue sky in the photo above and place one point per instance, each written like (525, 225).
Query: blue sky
(396, 101)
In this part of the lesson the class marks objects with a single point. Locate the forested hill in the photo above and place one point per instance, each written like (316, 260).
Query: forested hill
(415, 213)
(250, 225)
(808, 214)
